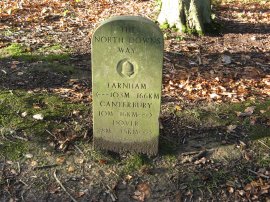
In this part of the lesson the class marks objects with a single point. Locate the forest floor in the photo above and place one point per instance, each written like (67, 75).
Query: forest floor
(215, 113)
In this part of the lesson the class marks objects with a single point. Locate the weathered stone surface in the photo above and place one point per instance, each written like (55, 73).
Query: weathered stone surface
(127, 57)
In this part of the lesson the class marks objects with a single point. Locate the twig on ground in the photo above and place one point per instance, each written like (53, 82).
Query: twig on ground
(111, 193)
(51, 134)
(2, 168)
(199, 155)
(166, 58)
(190, 153)
(19, 168)
(80, 151)
(62, 186)
(189, 127)
(24, 183)
(20, 138)
(264, 144)
(45, 167)
(259, 174)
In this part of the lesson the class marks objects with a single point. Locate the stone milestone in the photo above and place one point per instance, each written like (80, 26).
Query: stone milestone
(127, 60)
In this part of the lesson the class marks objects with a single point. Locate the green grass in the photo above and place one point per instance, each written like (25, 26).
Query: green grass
(164, 26)
(22, 52)
(54, 67)
(54, 47)
(14, 50)
(133, 163)
(218, 115)
(13, 150)
(57, 113)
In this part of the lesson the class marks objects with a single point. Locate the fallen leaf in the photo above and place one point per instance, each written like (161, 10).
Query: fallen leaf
(248, 112)
(253, 120)
(201, 161)
(214, 96)
(248, 156)
(128, 177)
(248, 187)
(35, 106)
(14, 172)
(80, 194)
(79, 160)
(264, 191)
(178, 196)
(241, 192)
(231, 128)
(34, 163)
(24, 114)
(53, 189)
(9, 162)
(9, 11)
(102, 161)
(28, 156)
(71, 169)
(38, 116)
(262, 111)
(177, 108)
(265, 187)
(142, 192)
(230, 189)
(60, 160)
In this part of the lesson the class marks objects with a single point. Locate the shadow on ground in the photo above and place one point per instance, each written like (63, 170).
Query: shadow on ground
(91, 175)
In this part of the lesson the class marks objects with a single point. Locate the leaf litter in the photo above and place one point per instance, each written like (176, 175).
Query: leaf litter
(231, 68)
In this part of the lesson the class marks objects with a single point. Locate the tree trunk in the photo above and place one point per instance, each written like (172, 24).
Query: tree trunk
(186, 15)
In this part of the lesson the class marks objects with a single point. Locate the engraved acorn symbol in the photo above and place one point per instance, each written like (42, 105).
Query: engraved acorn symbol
(127, 68)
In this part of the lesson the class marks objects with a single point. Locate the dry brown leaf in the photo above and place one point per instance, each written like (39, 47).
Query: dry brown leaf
(248, 187)
(80, 194)
(28, 156)
(102, 161)
(264, 191)
(253, 120)
(128, 177)
(241, 192)
(178, 108)
(60, 160)
(79, 160)
(142, 192)
(230, 189)
(231, 128)
(178, 196)
(34, 163)
(251, 72)
(71, 169)
(248, 112)
(248, 155)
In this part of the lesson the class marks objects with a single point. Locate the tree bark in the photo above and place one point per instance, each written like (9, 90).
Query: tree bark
(186, 15)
